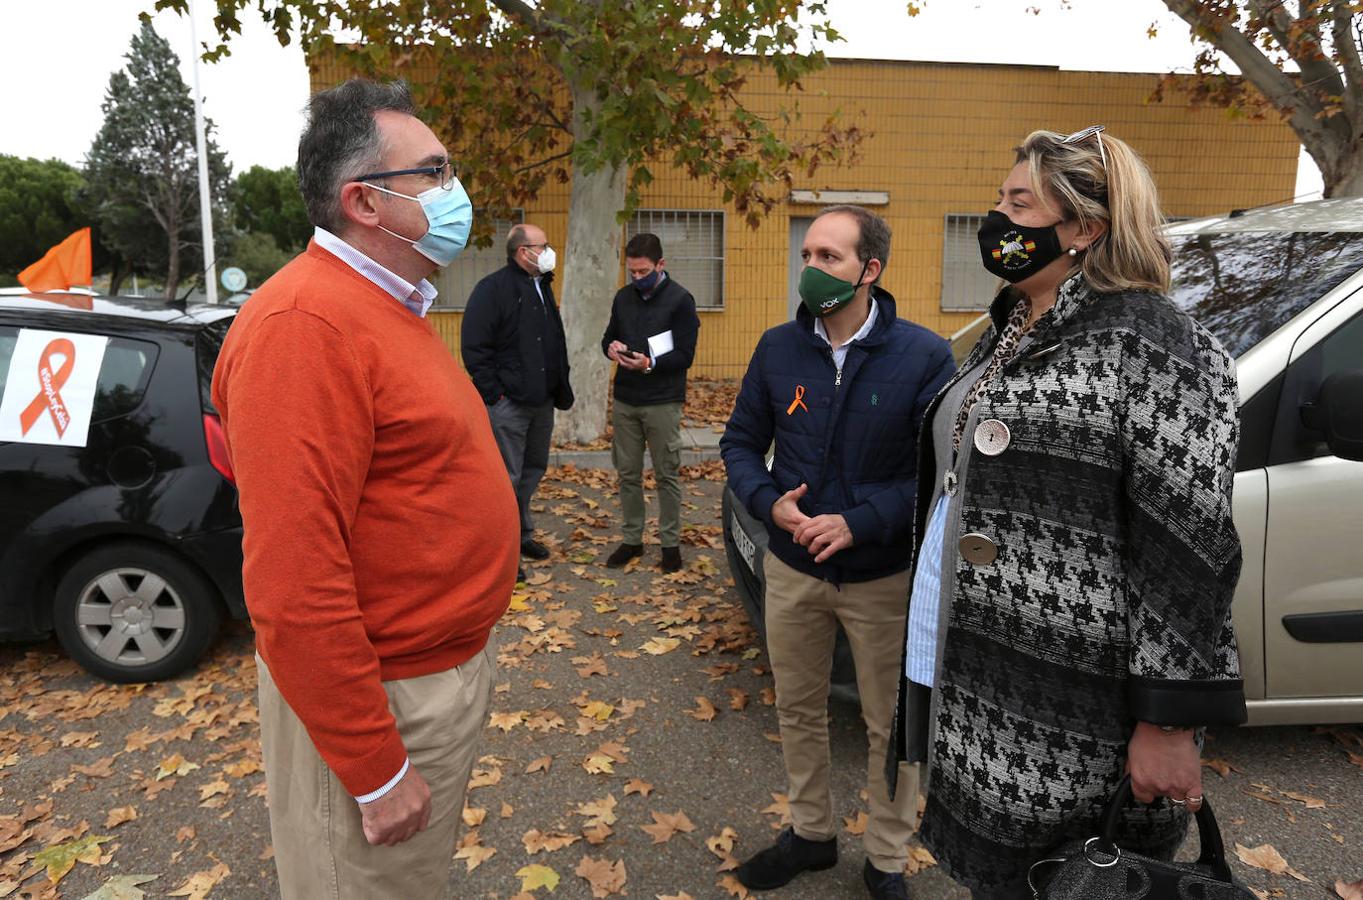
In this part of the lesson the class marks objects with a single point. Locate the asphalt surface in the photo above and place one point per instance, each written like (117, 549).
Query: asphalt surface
(721, 771)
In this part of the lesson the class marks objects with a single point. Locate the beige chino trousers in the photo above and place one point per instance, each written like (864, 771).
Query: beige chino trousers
(319, 844)
(802, 615)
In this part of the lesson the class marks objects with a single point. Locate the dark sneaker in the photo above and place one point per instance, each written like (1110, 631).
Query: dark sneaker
(782, 861)
(884, 885)
(520, 574)
(672, 559)
(534, 549)
(623, 554)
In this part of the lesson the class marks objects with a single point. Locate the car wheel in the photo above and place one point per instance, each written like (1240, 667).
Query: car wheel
(130, 612)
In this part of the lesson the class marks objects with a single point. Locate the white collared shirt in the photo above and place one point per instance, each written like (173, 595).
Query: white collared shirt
(417, 298)
(840, 353)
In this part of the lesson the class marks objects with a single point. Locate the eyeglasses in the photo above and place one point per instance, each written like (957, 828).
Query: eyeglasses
(1094, 131)
(445, 171)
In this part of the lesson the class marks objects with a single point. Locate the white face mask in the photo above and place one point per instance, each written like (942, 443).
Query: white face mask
(547, 260)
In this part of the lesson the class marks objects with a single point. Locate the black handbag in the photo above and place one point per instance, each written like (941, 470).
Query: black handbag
(1098, 869)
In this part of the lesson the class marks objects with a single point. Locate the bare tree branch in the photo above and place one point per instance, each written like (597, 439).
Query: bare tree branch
(540, 163)
(1347, 51)
(1308, 55)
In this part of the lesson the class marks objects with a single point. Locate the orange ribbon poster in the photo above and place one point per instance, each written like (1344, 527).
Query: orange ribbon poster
(798, 402)
(49, 399)
(49, 392)
(64, 266)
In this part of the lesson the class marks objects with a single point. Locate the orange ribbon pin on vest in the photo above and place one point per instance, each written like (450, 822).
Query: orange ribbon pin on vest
(799, 401)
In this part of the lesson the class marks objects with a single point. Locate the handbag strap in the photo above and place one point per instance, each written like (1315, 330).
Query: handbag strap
(1213, 853)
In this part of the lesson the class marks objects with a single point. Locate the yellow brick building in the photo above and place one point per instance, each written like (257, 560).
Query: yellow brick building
(939, 144)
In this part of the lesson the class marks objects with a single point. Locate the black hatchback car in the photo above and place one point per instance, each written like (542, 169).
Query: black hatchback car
(126, 544)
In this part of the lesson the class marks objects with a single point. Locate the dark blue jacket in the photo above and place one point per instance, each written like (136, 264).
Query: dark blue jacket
(852, 438)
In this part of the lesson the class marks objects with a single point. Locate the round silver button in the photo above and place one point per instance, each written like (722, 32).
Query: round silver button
(978, 549)
(992, 437)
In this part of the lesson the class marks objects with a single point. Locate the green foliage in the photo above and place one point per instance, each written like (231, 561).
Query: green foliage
(257, 254)
(38, 208)
(267, 201)
(519, 92)
(141, 171)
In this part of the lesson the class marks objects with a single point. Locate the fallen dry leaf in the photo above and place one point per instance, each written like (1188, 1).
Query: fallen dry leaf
(1350, 891)
(738, 699)
(534, 877)
(1309, 802)
(734, 887)
(197, 886)
(604, 877)
(539, 765)
(61, 858)
(919, 859)
(473, 816)
(122, 887)
(667, 824)
(1267, 857)
(704, 712)
(474, 855)
(857, 824)
(119, 815)
(638, 786)
(537, 841)
(599, 812)
(174, 765)
(659, 646)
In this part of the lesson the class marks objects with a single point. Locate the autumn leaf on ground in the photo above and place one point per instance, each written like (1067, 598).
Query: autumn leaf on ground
(473, 816)
(605, 877)
(119, 815)
(534, 877)
(78, 738)
(704, 711)
(919, 859)
(738, 699)
(1310, 802)
(1267, 857)
(122, 887)
(1219, 766)
(769, 696)
(213, 788)
(101, 768)
(518, 604)
(856, 824)
(472, 851)
(682, 896)
(667, 824)
(722, 844)
(539, 765)
(588, 666)
(1351, 891)
(243, 768)
(61, 858)
(599, 812)
(197, 886)
(638, 786)
(174, 765)
(537, 841)
(506, 810)
(734, 887)
(659, 646)
(539, 578)
(185, 833)
(507, 720)
(597, 834)
(780, 807)
(599, 764)
(598, 710)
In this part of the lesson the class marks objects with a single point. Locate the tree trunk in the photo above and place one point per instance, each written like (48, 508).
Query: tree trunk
(173, 259)
(590, 274)
(117, 276)
(1345, 177)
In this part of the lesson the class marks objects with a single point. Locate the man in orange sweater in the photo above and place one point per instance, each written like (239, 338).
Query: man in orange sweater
(381, 534)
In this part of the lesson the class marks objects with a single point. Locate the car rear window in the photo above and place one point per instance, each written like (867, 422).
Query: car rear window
(123, 375)
(1243, 286)
(207, 346)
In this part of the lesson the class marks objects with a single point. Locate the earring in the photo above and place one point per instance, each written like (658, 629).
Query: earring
(1074, 252)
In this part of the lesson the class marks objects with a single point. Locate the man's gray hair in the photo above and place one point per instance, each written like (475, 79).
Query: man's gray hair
(342, 142)
(516, 238)
(873, 241)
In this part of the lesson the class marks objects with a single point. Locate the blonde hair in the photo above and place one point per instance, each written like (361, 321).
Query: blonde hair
(1133, 253)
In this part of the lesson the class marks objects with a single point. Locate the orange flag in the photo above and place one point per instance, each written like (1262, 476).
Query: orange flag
(64, 265)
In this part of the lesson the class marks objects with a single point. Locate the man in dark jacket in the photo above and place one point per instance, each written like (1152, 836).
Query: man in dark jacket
(515, 352)
(652, 340)
(842, 391)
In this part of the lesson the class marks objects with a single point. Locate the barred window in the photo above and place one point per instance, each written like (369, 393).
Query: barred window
(693, 248)
(966, 285)
(456, 281)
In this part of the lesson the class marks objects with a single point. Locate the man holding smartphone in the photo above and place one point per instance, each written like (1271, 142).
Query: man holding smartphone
(652, 340)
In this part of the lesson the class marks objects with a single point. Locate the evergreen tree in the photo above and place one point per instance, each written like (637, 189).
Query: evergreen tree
(142, 169)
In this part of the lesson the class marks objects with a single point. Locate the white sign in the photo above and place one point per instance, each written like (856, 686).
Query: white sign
(50, 390)
(233, 279)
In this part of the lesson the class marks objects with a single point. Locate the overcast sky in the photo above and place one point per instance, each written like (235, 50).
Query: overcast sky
(55, 86)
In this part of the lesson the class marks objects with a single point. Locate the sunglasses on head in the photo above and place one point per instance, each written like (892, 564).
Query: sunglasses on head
(1093, 131)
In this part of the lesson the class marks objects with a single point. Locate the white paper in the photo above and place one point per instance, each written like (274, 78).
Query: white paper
(660, 344)
(50, 389)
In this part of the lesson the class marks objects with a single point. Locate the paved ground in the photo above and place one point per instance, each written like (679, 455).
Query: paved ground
(77, 757)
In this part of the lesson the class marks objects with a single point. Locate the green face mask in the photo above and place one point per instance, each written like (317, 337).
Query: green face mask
(825, 294)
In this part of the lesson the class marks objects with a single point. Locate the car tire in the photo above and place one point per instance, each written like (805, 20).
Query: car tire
(133, 612)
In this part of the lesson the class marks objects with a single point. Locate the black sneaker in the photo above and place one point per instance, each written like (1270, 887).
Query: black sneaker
(623, 554)
(520, 574)
(534, 549)
(672, 559)
(884, 885)
(782, 861)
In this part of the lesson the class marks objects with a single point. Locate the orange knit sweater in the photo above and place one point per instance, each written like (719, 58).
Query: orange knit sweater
(381, 532)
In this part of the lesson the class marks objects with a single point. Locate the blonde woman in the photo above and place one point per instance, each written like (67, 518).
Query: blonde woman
(1069, 617)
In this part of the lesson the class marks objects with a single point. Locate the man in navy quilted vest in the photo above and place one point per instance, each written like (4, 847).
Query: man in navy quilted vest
(842, 391)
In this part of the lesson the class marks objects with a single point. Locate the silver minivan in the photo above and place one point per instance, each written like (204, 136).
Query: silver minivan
(1282, 289)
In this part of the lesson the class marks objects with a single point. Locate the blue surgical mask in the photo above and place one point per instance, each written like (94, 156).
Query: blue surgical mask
(648, 282)
(449, 216)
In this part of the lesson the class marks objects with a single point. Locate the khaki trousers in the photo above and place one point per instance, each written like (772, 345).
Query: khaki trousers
(802, 614)
(320, 849)
(658, 427)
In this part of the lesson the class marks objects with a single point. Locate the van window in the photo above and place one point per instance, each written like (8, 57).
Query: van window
(122, 378)
(1342, 351)
(1243, 286)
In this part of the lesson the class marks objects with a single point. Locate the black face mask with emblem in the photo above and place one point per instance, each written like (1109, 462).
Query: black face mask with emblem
(1016, 252)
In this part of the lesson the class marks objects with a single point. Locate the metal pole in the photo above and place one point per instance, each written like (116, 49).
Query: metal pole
(205, 201)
